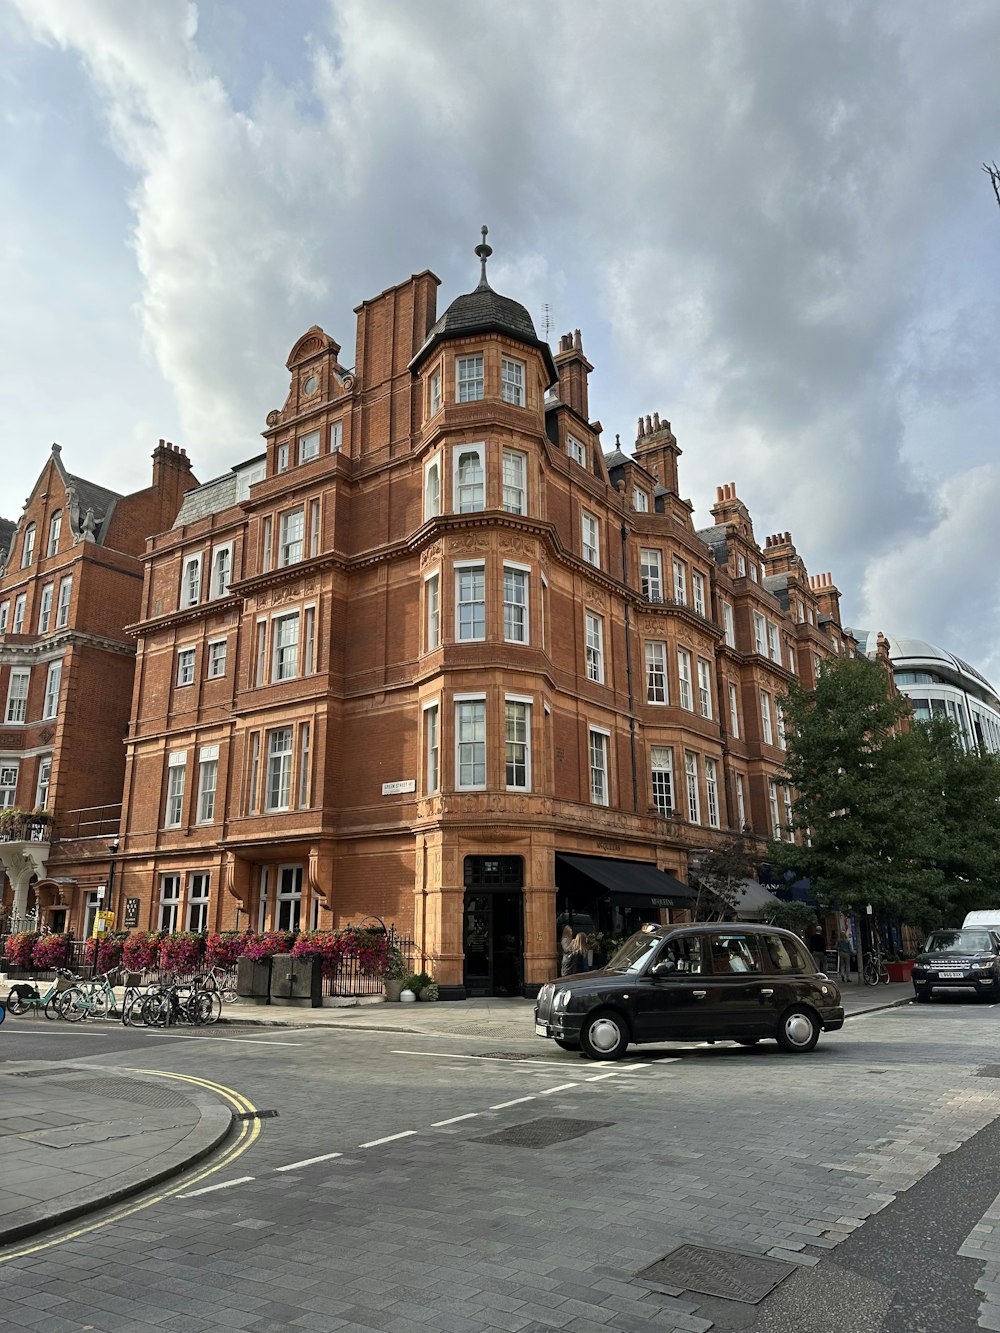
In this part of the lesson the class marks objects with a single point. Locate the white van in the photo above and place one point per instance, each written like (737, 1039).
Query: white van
(986, 919)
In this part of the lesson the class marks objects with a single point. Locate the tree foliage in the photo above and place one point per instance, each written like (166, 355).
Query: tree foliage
(717, 875)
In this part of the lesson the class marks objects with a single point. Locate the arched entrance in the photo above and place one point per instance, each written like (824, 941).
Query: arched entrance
(493, 925)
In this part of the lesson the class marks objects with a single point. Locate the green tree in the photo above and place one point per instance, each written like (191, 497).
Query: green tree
(861, 795)
(717, 874)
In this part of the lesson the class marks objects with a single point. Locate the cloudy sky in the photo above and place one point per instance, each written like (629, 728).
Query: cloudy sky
(768, 217)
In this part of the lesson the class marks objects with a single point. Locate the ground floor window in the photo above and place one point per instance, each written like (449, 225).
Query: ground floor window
(280, 903)
(170, 901)
(197, 903)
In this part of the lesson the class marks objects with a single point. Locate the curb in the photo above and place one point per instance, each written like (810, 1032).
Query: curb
(214, 1126)
(877, 1008)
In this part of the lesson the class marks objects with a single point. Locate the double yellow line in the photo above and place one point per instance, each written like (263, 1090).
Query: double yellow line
(249, 1132)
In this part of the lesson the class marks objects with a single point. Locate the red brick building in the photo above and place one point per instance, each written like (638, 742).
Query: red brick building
(70, 581)
(435, 656)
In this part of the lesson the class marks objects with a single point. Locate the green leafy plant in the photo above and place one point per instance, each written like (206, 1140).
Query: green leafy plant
(395, 964)
(416, 981)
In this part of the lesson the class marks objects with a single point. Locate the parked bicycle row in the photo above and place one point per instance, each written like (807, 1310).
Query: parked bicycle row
(161, 1003)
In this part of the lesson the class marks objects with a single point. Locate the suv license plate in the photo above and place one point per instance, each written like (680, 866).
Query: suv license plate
(948, 976)
(541, 1030)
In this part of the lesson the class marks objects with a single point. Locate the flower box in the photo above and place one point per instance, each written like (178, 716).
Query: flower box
(901, 971)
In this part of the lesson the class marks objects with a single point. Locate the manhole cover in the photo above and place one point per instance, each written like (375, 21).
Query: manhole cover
(39, 1073)
(989, 1071)
(128, 1090)
(513, 1055)
(734, 1277)
(545, 1132)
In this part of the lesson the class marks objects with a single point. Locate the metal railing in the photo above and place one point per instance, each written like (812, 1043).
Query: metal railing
(349, 979)
(75, 961)
(93, 821)
(25, 828)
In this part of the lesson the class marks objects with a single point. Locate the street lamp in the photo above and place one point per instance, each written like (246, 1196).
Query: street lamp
(112, 852)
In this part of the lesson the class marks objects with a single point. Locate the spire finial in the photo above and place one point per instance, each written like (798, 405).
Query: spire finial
(483, 251)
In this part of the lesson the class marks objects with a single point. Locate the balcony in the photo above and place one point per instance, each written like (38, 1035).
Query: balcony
(19, 826)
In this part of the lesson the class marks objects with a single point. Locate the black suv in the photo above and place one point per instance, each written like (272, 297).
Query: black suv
(703, 982)
(967, 959)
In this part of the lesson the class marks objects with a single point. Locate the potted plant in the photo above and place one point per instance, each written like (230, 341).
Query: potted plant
(417, 982)
(900, 969)
(429, 992)
(395, 973)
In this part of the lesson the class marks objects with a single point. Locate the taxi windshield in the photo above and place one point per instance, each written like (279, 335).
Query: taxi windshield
(959, 941)
(633, 953)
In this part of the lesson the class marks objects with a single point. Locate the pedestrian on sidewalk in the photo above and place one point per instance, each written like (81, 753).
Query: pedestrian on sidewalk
(579, 957)
(817, 946)
(843, 958)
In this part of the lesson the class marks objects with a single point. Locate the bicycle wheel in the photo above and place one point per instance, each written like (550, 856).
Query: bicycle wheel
(73, 1005)
(229, 995)
(15, 1004)
(156, 1010)
(52, 1007)
(3, 1011)
(871, 970)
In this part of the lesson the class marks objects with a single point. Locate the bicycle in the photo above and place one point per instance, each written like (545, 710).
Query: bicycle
(876, 969)
(168, 1006)
(19, 1003)
(217, 979)
(87, 999)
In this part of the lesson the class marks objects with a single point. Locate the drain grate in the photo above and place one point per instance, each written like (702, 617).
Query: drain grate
(127, 1090)
(989, 1071)
(545, 1132)
(254, 1115)
(734, 1277)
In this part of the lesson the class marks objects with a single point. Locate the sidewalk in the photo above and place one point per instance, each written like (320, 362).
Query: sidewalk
(111, 1136)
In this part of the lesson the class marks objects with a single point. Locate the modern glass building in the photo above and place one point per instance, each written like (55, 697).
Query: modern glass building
(939, 683)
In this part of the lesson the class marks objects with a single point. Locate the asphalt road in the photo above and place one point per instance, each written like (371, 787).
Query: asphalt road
(410, 1183)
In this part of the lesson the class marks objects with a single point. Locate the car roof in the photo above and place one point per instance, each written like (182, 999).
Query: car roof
(722, 927)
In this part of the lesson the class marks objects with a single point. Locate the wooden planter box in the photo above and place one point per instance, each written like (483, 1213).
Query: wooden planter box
(901, 971)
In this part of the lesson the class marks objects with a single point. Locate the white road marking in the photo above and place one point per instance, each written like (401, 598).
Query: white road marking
(495, 1059)
(502, 1106)
(208, 1189)
(561, 1087)
(471, 1115)
(390, 1138)
(249, 1041)
(119, 1030)
(309, 1161)
(597, 1077)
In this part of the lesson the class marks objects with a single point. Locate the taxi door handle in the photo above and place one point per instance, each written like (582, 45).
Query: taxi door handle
(699, 994)
(766, 990)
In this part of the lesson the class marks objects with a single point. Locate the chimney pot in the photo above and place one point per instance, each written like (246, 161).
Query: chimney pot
(720, 494)
(640, 431)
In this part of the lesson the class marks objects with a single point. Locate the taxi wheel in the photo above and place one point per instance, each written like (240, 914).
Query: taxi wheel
(605, 1035)
(798, 1031)
(565, 1045)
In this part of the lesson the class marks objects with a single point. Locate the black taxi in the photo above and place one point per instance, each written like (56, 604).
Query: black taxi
(710, 981)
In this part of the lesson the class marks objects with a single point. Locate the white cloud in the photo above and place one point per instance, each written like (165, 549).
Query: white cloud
(768, 219)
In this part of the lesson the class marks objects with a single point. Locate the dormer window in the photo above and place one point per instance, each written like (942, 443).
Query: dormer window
(247, 477)
(512, 381)
(309, 446)
(576, 451)
(640, 501)
(470, 383)
(191, 581)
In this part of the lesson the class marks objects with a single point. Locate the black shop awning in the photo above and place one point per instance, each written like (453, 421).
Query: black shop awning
(630, 883)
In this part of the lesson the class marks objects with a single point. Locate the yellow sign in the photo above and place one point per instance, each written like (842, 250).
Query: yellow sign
(103, 921)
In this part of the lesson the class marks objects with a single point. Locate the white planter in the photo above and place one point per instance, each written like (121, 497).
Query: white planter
(407, 997)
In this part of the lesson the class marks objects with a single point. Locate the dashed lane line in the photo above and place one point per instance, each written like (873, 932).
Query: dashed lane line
(439, 1124)
(210, 1189)
(560, 1087)
(309, 1161)
(389, 1138)
(502, 1106)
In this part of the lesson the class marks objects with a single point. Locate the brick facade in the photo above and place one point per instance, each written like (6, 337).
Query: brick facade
(434, 638)
(70, 581)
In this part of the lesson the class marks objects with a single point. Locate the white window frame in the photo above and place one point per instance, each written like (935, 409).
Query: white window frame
(759, 634)
(576, 451)
(215, 665)
(772, 798)
(712, 792)
(594, 646)
(470, 747)
(657, 686)
(432, 747)
(691, 787)
(598, 747)
(309, 445)
(514, 466)
(191, 581)
(434, 392)
(55, 530)
(773, 642)
(590, 538)
(470, 378)
(208, 781)
(222, 570)
(468, 496)
(728, 624)
(28, 546)
(432, 610)
(18, 688)
(278, 770)
(8, 783)
(470, 594)
(741, 802)
(685, 691)
(698, 591)
(704, 687)
(198, 894)
(734, 711)
(516, 608)
(305, 765)
(640, 501)
(282, 457)
(20, 610)
(512, 381)
(43, 782)
(260, 654)
(249, 477)
(53, 685)
(288, 898)
(765, 717)
(285, 646)
(517, 741)
(173, 812)
(186, 662)
(680, 580)
(662, 778)
(4, 615)
(308, 653)
(779, 724)
(291, 548)
(336, 436)
(786, 794)
(169, 902)
(741, 566)
(266, 543)
(432, 487)
(315, 527)
(753, 571)
(651, 573)
(45, 608)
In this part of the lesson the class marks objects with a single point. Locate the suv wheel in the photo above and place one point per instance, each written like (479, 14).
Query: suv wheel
(605, 1035)
(798, 1031)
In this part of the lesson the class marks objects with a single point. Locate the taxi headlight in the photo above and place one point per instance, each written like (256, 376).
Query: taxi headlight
(561, 1000)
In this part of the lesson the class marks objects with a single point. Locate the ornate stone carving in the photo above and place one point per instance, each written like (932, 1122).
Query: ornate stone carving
(273, 417)
(430, 555)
